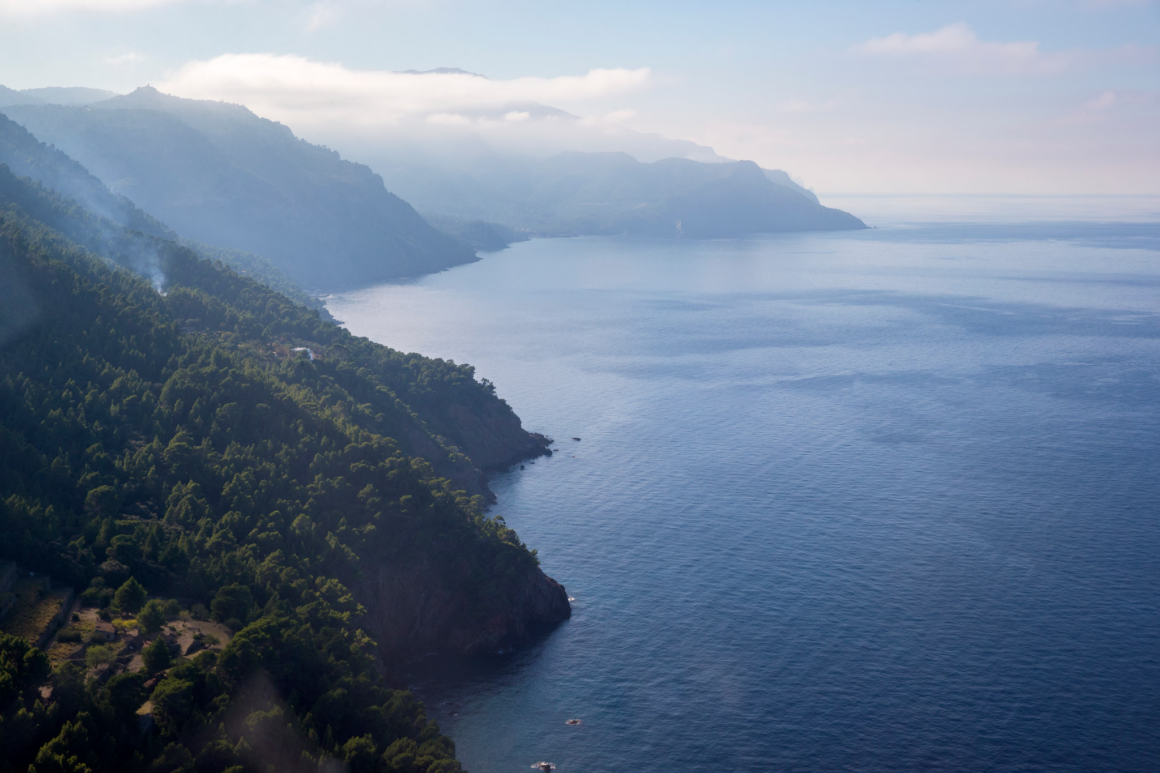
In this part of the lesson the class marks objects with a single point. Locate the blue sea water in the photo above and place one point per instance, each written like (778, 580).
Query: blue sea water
(875, 501)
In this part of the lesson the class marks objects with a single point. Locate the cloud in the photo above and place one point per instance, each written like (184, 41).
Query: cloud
(312, 14)
(615, 118)
(957, 46)
(123, 59)
(448, 119)
(1102, 102)
(958, 43)
(1120, 3)
(1116, 105)
(304, 92)
(359, 111)
(29, 9)
(321, 14)
(805, 106)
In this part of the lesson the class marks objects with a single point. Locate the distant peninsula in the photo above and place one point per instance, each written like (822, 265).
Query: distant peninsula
(579, 194)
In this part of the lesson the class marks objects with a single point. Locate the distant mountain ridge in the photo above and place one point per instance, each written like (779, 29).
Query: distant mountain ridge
(778, 177)
(28, 157)
(573, 194)
(221, 176)
(218, 174)
(53, 95)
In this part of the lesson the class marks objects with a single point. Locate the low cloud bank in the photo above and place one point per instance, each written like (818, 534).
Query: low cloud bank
(303, 91)
(359, 111)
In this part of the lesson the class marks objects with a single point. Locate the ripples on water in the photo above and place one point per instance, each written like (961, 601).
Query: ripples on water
(873, 501)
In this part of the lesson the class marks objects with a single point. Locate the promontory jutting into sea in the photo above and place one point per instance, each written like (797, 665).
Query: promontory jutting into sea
(662, 389)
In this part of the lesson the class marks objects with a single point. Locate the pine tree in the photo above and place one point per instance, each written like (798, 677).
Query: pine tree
(130, 597)
(156, 656)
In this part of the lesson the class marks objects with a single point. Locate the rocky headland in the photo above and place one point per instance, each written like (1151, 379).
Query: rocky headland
(415, 608)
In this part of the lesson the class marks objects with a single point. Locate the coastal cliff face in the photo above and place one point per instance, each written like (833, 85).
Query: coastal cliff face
(414, 608)
(494, 437)
(489, 433)
(421, 599)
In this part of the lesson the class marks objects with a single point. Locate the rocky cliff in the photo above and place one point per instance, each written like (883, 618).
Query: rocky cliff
(415, 608)
(493, 436)
(464, 442)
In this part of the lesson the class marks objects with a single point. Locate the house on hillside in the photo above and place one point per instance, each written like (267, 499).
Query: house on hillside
(104, 631)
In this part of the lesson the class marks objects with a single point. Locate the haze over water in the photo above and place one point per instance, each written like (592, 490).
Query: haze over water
(885, 500)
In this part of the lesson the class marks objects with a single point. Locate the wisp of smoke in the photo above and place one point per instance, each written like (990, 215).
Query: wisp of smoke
(18, 309)
(138, 253)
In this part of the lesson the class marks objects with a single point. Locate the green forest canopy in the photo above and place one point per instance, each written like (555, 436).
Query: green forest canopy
(159, 435)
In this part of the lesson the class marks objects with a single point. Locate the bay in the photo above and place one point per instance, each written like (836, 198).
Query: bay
(885, 500)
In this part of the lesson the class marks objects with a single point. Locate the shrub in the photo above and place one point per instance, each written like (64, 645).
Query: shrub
(232, 605)
(102, 502)
(156, 656)
(172, 704)
(22, 667)
(99, 654)
(94, 597)
(151, 617)
(124, 694)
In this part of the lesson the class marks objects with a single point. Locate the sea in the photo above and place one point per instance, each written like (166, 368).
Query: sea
(885, 500)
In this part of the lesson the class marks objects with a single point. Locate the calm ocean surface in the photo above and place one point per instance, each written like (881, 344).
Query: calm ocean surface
(881, 501)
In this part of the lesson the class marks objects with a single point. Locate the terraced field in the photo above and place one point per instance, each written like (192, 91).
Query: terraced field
(34, 610)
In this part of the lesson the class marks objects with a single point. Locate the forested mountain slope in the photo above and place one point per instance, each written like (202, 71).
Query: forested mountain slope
(218, 174)
(28, 157)
(156, 422)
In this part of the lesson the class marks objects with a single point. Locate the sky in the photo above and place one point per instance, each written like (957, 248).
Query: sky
(1017, 97)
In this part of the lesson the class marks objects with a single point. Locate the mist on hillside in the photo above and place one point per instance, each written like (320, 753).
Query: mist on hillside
(393, 194)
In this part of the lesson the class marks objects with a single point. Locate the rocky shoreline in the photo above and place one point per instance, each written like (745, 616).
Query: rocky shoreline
(415, 609)
(411, 612)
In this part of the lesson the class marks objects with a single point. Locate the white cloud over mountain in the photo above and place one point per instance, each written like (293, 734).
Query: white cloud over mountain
(302, 91)
(347, 109)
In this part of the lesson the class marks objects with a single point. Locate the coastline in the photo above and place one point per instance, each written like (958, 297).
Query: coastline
(415, 608)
